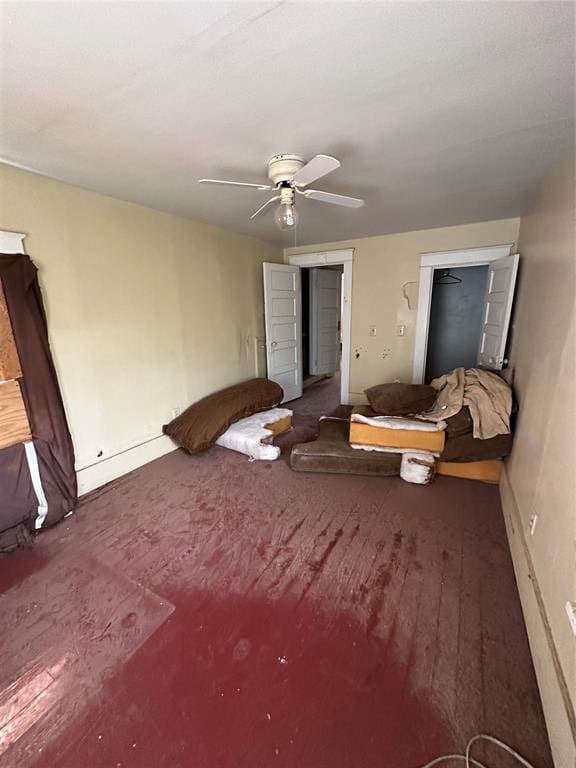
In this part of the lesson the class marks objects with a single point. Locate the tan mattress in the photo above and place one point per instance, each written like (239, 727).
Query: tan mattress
(487, 471)
(370, 431)
(280, 425)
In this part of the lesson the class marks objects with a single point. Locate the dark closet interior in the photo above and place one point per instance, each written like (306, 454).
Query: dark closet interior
(455, 319)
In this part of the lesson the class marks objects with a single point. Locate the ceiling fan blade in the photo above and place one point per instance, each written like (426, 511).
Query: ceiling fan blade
(329, 197)
(263, 207)
(262, 187)
(317, 167)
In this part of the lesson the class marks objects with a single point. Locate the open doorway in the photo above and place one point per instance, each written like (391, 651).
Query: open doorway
(464, 307)
(283, 294)
(321, 324)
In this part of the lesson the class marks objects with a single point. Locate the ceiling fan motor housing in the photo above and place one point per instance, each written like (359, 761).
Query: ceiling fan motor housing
(282, 168)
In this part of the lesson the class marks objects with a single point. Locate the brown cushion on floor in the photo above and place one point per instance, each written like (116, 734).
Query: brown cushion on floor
(201, 424)
(331, 452)
(461, 445)
(469, 448)
(400, 399)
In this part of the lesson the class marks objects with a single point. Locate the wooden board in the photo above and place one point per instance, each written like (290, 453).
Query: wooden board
(487, 471)
(9, 361)
(14, 427)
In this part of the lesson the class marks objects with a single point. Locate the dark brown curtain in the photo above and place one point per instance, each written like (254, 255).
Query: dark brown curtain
(19, 500)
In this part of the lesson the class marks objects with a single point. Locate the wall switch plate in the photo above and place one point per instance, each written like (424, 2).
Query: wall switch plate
(571, 611)
(372, 330)
(400, 330)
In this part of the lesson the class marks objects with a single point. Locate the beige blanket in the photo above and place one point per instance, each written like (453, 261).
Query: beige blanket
(487, 396)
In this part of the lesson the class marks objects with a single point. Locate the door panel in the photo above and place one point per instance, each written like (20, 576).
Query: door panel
(283, 281)
(284, 359)
(282, 308)
(325, 290)
(284, 331)
(283, 327)
(497, 311)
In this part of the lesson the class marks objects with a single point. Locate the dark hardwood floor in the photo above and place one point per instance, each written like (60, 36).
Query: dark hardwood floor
(210, 612)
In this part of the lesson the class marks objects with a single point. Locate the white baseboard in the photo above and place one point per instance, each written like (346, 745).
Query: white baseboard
(558, 709)
(109, 469)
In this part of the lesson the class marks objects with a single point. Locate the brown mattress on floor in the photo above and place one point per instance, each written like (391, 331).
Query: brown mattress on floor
(331, 452)
(461, 445)
(458, 441)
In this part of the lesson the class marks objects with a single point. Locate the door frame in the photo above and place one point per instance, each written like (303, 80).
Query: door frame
(345, 257)
(471, 257)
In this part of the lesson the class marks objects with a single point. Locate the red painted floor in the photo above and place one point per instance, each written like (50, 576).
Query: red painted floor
(210, 612)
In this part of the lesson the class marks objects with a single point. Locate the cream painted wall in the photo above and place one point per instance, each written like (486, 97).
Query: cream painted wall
(146, 312)
(541, 472)
(384, 267)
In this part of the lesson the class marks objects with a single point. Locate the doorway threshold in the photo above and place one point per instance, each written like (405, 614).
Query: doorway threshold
(309, 381)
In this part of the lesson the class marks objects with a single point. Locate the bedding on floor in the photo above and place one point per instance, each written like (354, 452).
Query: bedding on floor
(253, 435)
(462, 446)
(202, 423)
(397, 399)
(331, 452)
(394, 434)
(486, 394)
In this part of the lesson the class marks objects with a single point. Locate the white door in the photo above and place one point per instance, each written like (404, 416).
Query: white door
(325, 290)
(282, 308)
(497, 310)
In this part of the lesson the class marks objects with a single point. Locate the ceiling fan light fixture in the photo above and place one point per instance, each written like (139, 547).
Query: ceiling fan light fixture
(286, 217)
(290, 175)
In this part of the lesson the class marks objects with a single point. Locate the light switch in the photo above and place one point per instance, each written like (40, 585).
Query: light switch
(400, 330)
(372, 330)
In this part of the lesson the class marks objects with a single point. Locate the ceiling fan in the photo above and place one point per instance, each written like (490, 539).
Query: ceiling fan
(290, 175)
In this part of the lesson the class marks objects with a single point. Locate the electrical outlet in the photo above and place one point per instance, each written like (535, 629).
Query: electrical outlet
(533, 521)
(571, 611)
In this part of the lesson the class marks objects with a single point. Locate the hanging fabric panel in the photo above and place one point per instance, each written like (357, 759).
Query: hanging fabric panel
(37, 476)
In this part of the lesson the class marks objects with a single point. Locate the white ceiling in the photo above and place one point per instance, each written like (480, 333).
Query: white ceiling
(441, 113)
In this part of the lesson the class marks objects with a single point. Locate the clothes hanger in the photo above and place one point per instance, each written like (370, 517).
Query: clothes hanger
(446, 278)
